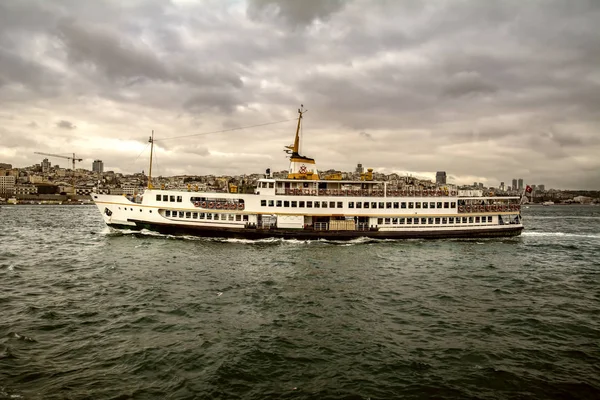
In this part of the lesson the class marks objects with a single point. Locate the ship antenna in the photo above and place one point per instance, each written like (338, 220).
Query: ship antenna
(151, 141)
(296, 147)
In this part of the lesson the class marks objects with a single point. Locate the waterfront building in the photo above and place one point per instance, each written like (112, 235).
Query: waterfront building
(520, 183)
(46, 165)
(98, 166)
(7, 185)
(359, 169)
(440, 178)
(514, 184)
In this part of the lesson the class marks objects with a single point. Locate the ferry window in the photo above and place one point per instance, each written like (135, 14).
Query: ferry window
(437, 220)
(195, 215)
(403, 204)
(416, 221)
(294, 204)
(278, 203)
(464, 220)
(453, 204)
(179, 199)
(476, 220)
(458, 220)
(382, 205)
(216, 217)
(358, 204)
(373, 204)
(379, 221)
(396, 204)
(230, 217)
(301, 204)
(271, 185)
(432, 205)
(208, 216)
(423, 221)
(411, 204)
(245, 218)
(286, 203)
(180, 214)
(388, 204)
(167, 213)
(439, 204)
(188, 214)
(158, 197)
(201, 216)
(238, 217)
(365, 205)
(271, 203)
(172, 198)
(446, 204)
(409, 221)
(490, 218)
(444, 220)
(309, 204)
(451, 220)
(165, 197)
(401, 221)
(340, 204)
(418, 204)
(387, 221)
(317, 204)
(430, 221)
(350, 204)
(332, 204)
(470, 220)
(394, 221)
(263, 203)
(323, 204)
(425, 204)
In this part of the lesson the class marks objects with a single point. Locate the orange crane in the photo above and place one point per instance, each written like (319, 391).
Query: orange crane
(65, 157)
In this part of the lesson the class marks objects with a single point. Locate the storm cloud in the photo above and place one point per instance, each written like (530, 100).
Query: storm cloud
(487, 91)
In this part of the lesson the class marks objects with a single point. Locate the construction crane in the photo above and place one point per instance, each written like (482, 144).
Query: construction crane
(65, 157)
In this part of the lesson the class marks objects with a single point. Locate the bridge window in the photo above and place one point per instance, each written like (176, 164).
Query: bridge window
(230, 217)
(388, 204)
(382, 205)
(350, 204)
(323, 204)
(425, 204)
(453, 204)
(278, 203)
(309, 204)
(180, 214)
(394, 221)
(245, 218)
(286, 203)
(418, 204)
(208, 216)
(172, 198)
(167, 213)
(396, 204)
(439, 204)
(437, 221)
(294, 204)
(490, 218)
(238, 217)
(416, 221)
(332, 204)
(432, 205)
(179, 199)
(444, 220)
(158, 197)
(195, 215)
(476, 220)
(317, 204)
(403, 204)
(458, 220)
(446, 204)
(165, 197)
(301, 204)
(423, 221)
(411, 204)
(271, 203)
(451, 220)
(409, 221)
(464, 220)
(366, 204)
(387, 221)
(263, 203)
(373, 204)
(401, 221)
(358, 204)
(340, 204)
(188, 214)
(430, 221)
(470, 220)
(201, 216)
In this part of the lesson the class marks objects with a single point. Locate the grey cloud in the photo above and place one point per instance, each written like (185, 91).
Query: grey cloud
(63, 124)
(294, 12)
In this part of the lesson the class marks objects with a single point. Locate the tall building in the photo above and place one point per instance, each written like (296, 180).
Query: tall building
(514, 184)
(502, 186)
(98, 166)
(440, 177)
(7, 186)
(46, 165)
(360, 169)
(520, 183)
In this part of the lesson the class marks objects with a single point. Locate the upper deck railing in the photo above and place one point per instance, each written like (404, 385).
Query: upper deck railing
(365, 192)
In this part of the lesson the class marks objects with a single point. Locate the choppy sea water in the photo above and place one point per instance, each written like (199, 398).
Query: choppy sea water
(90, 313)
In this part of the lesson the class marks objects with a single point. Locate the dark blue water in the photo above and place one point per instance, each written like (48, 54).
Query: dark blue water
(90, 314)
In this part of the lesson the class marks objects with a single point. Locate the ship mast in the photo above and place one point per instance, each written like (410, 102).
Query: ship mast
(151, 141)
(294, 149)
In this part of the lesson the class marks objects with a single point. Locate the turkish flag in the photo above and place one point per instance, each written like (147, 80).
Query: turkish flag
(528, 189)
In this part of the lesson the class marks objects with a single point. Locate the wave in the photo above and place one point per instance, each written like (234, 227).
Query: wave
(562, 234)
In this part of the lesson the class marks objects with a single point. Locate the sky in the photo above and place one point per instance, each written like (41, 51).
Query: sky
(486, 91)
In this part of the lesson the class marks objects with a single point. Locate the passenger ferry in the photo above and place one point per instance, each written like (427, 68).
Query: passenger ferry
(308, 206)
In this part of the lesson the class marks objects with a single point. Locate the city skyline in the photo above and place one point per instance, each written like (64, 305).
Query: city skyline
(485, 91)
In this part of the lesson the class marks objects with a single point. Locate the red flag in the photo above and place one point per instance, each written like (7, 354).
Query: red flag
(528, 189)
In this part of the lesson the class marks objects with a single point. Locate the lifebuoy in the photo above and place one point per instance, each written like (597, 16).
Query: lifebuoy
(219, 206)
(468, 208)
(461, 208)
(211, 204)
(240, 206)
(453, 193)
(203, 204)
(303, 169)
(196, 204)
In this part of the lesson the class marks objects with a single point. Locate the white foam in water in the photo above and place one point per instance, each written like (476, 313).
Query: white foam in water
(560, 234)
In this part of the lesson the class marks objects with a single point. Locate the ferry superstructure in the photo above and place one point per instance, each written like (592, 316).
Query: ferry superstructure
(306, 206)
